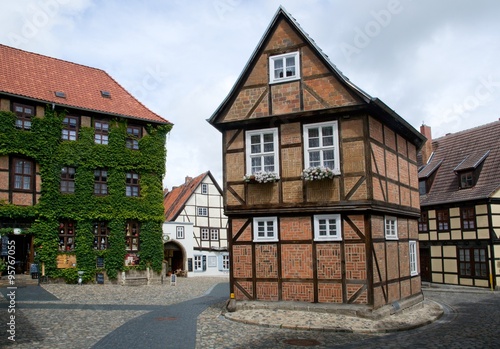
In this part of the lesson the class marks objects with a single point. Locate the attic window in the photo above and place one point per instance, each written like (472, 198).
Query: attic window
(284, 67)
(105, 94)
(60, 94)
(470, 167)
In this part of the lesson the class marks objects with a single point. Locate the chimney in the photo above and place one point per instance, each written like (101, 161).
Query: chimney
(188, 179)
(427, 148)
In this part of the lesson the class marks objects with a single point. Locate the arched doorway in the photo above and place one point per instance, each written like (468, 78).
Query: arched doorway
(174, 256)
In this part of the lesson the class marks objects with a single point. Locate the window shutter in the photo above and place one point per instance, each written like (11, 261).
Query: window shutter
(219, 262)
(204, 261)
(190, 264)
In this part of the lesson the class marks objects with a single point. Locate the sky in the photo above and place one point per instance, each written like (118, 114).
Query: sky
(432, 61)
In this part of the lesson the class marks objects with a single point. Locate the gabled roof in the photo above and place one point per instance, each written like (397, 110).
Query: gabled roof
(37, 77)
(378, 107)
(429, 169)
(175, 200)
(466, 150)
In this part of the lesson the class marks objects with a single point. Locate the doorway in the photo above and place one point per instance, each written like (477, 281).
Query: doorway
(22, 247)
(174, 256)
(425, 264)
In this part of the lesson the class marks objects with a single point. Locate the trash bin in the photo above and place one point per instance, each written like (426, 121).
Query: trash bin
(34, 271)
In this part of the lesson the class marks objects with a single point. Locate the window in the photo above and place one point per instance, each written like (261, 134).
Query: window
(179, 232)
(262, 151)
(413, 258)
(66, 236)
(24, 114)
(70, 128)
(284, 67)
(101, 235)
(322, 146)
(68, 180)
(327, 227)
(265, 229)
(101, 129)
(443, 220)
(133, 136)
(205, 234)
(423, 222)
(214, 234)
(132, 236)
(468, 218)
(204, 188)
(200, 263)
(224, 262)
(203, 211)
(23, 174)
(132, 188)
(100, 182)
(466, 179)
(422, 187)
(391, 228)
(212, 261)
(472, 262)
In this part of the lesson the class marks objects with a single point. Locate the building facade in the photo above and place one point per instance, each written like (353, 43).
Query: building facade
(320, 181)
(459, 226)
(81, 169)
(195, 228)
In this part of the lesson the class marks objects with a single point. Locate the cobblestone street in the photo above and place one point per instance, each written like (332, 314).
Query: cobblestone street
(82, 316)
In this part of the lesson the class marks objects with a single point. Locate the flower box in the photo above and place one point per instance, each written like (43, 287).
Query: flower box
(316, 173)
(262, 177)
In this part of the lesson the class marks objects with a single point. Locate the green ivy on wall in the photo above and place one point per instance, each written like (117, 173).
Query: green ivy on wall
(43, 144)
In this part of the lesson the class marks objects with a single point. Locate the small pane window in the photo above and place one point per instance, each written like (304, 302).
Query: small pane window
(132, 187)
(68, 180)
(413, 258)
(204, 188)
(200, 263)
(24, 114)
(466, 179)
(101, 235)
(262, 151)
(391, 228)
(70, 128)
(468, 218)
(66, 236)
(284, 67)
(100, 182)
(321, 146)
(133, 135)
(225, 262)
(203, 211)
(423, 222)
(265, 229)
(132, 236)
(443, 220)
(327, 227)
(473, 262)
(214, 234)
(179, 232)
(205, 234)
(101, 129)
(23, 174)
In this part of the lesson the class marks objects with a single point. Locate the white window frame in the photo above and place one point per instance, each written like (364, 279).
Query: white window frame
(269, 222)
(330, 235)
(204, 188)
(179, 232)
(282, 58)
(214, 234)
(204, 234)
(202, 211)
(249, 155)
(413, 258)
(198, 263)
(225, 261)
(321, 148)
(391, 228)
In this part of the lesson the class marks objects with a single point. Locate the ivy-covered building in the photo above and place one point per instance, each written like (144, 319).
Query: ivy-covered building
(81, 169)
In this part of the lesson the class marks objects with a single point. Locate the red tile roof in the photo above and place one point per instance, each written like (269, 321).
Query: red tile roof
(465, 150)
(38, 77)
(175, 200)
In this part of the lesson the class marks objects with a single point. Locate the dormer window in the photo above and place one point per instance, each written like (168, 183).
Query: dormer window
(470, 167)
(284, 67)
(426, 176)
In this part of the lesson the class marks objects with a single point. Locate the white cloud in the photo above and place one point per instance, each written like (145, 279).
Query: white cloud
(432, 61)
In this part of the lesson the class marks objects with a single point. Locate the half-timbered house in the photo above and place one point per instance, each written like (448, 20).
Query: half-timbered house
(320, 181)
(459, 226)
(195, 228)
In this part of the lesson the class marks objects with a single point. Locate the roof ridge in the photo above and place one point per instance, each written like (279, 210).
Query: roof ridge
(468, 130)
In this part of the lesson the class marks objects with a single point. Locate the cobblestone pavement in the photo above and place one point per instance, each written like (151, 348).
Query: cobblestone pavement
(84, 315)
